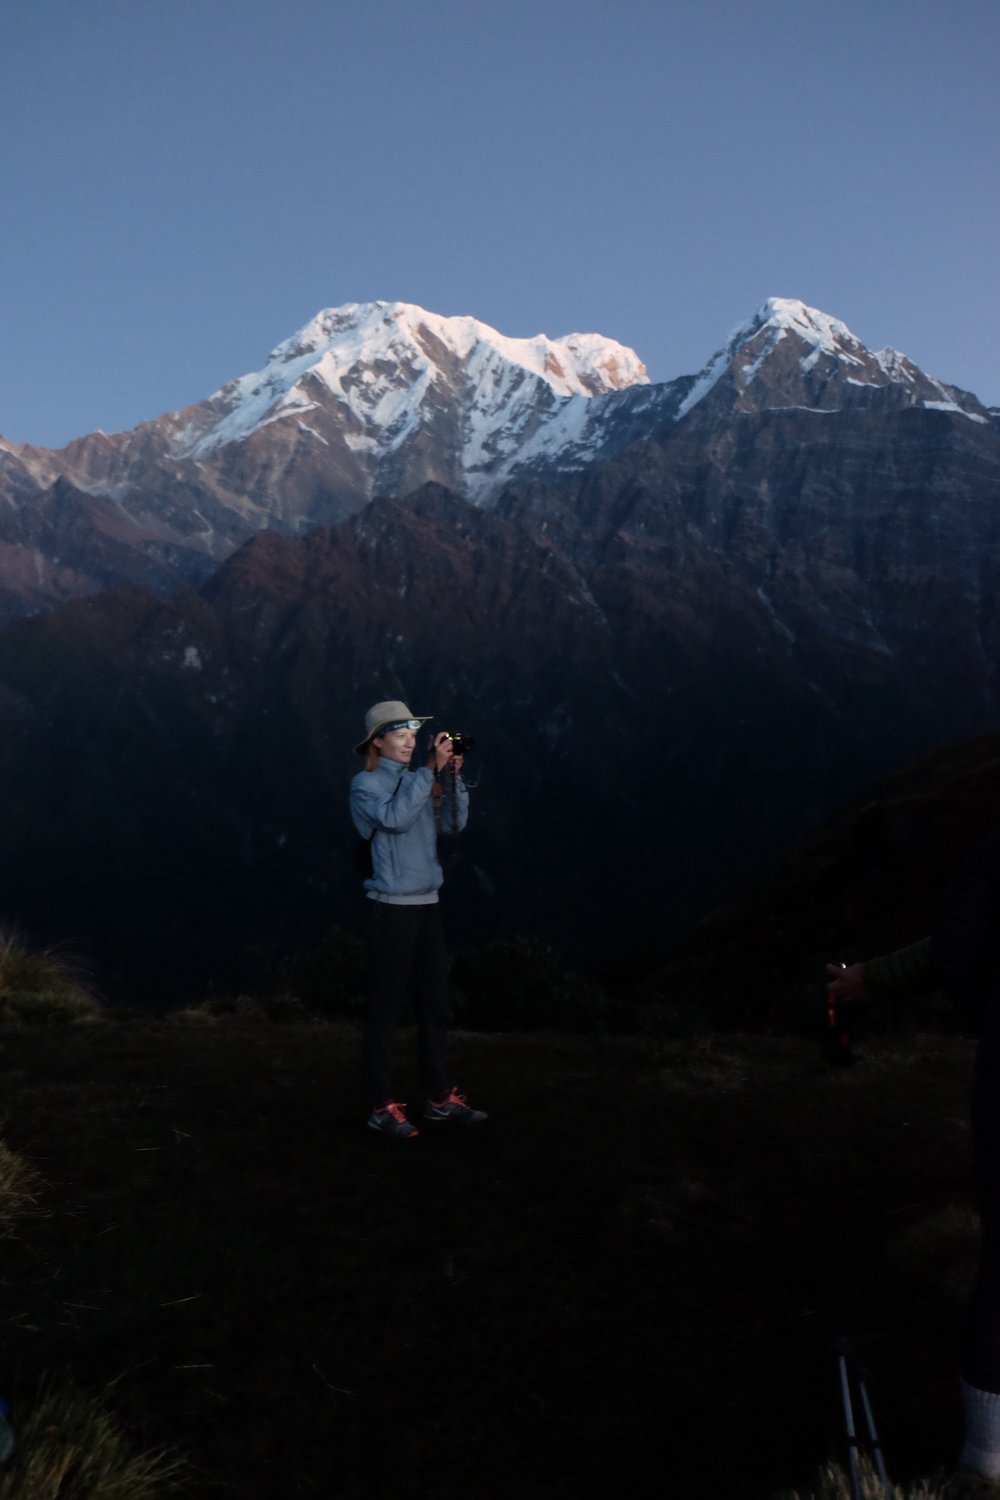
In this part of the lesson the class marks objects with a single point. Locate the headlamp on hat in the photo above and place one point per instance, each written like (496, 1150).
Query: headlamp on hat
(399, 724)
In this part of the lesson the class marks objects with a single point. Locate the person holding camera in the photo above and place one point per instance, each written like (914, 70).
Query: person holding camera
(962, 957)
(399, 812)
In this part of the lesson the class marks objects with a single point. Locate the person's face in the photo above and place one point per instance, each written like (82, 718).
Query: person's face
(397, 744)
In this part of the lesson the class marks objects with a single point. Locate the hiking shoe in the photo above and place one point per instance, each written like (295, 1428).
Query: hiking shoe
(390, 1120)
(453, 1108)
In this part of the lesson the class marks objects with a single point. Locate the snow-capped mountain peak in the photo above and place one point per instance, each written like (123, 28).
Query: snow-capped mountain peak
(788, 315)
(383, 363)
(577, 364)
(380, 398)
(757, 338)
(790, 354)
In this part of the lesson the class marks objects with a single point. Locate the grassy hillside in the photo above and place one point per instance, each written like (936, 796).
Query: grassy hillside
(640, 1265)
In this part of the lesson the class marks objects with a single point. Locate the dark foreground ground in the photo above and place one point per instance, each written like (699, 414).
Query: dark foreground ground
(631, 1278)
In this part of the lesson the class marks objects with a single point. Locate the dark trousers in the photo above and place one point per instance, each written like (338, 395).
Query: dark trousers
(407, 958)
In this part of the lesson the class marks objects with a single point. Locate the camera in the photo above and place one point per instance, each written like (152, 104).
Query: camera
(460, 743)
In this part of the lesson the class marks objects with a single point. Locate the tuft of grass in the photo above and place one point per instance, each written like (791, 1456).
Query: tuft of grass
(193, 1015)
(43, 985)
(281, 1008)
(833, 1483)
(67, 1446)
(19, 1186)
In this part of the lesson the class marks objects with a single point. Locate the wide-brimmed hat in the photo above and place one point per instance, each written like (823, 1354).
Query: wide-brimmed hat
(382, 716)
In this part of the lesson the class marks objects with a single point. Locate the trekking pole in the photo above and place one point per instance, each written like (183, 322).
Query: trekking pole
(853, 1445)
(852, 1440)
(873, 1439)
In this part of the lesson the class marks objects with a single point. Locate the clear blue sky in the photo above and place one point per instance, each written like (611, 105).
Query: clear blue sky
(186, 182)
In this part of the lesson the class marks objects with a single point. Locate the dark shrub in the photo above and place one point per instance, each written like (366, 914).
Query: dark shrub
(521, 985)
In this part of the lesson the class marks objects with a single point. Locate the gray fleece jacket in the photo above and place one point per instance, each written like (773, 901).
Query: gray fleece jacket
(394, 807)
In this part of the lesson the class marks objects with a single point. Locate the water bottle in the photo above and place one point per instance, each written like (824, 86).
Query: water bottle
(838, 1046)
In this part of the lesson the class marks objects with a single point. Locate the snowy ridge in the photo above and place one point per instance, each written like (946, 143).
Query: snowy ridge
(383, 362)
(819, 338)
(381, 397)
(761, 335)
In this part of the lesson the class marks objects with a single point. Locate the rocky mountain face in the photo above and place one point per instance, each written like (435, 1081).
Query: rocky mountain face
(379, 398)
(366, 399)
(684, 623)
(649, 731)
